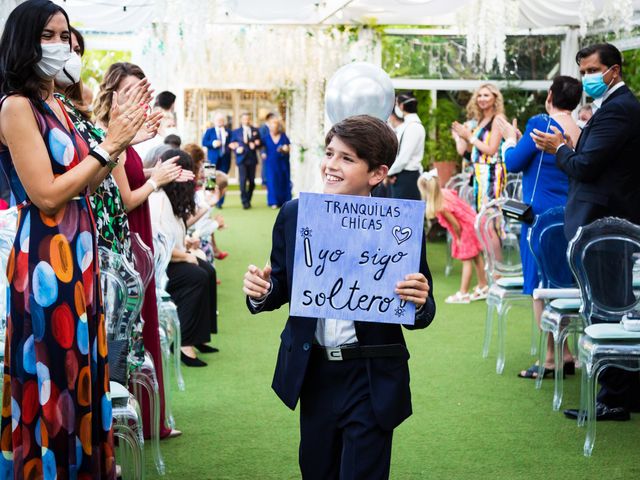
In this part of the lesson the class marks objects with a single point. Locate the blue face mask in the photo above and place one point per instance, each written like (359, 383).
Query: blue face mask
(593, 84)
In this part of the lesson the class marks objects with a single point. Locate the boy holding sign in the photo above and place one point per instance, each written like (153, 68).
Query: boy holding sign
(352, 377)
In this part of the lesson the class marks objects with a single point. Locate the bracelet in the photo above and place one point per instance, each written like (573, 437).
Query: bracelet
(153, 184)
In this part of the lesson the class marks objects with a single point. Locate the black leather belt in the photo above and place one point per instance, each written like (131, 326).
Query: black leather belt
(355, 351)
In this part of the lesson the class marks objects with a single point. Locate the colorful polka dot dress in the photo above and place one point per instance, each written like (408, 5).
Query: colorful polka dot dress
(56, 405)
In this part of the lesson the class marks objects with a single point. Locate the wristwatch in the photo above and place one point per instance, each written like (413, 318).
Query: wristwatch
(103, 157)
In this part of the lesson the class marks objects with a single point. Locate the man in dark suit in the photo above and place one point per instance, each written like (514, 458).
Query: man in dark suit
(245, 141)
(216, 139)
(352, 378)
(604, 180)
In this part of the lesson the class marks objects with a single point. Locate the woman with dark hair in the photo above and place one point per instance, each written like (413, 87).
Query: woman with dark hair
(405, 171)
(544, 185)
(192, 281)
(135, 188)
(56, 416)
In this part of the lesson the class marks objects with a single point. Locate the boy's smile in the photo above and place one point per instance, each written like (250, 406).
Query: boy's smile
(343, 172)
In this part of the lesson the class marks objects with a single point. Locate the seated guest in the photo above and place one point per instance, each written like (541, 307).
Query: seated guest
(173, 140)
(202, 222)
(544, 186)
(192, 281)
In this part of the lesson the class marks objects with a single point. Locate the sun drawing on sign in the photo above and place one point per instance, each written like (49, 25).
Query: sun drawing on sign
(399, 312)
(305, 232)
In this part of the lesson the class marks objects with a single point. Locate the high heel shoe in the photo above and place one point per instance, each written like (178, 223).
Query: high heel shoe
(204, 348)
(191, 362)
(569, 368)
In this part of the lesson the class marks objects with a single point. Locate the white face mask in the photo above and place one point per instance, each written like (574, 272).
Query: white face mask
(54, 57)
(399, 113)
(581, 123)
(70, 73)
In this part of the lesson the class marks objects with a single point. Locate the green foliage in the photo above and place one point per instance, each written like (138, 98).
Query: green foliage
(444, 57)
(439, 146)
(522, 104)
(96, 62)
(631, 70)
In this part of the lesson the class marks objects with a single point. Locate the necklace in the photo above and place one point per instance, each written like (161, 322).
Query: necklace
(559, 114)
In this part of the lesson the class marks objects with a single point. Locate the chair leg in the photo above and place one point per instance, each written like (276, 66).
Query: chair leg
(177, 344)
(559, 339)
(488, 328)
(149, 382)
(535, 333)
(166, 366)
(131, 438)
(542, 355)
(503, 311)
(590, 439)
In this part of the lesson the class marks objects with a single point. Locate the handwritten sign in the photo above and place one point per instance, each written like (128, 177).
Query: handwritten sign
(350, 253)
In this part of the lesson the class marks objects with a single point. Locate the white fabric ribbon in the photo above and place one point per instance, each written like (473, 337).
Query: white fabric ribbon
(433, 173)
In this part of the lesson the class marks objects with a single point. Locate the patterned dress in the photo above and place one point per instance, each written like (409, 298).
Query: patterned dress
(489, 172)
(111, 218)
(56, 405)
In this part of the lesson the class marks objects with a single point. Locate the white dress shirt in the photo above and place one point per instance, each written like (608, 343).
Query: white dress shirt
(598, 102)
(411, 150)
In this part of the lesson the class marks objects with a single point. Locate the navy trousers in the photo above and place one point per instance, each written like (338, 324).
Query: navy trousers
(247, 173)
(339, 435)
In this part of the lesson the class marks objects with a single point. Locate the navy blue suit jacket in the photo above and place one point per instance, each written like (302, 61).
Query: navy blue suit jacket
(214, 155)
(604, 171)
(388, 377)
(248, 156)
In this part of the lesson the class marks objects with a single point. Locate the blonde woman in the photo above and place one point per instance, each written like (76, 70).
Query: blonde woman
(489, 172)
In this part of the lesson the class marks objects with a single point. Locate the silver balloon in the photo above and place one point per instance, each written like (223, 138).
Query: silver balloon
(357, 89)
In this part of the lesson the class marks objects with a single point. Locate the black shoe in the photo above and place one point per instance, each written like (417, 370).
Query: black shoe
(603, 413)
(204, 348)
(246, 206)
(192, 362)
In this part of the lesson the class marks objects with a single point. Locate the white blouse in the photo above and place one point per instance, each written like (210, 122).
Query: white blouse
(411, 136)
(163, 220)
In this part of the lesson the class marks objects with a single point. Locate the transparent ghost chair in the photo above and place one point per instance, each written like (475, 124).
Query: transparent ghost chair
(560, 316)
(8, 224)
(168, 319)
(115, 276)
(455, 183)
(145, 376)
(604, 259)
(500, 242)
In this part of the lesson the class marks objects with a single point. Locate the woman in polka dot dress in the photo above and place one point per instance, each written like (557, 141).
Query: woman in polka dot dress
(56, 405)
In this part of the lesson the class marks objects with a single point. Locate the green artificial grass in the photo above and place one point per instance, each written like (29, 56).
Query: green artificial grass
(468, 422)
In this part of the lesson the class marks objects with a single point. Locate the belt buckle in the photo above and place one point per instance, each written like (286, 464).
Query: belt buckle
(334, 354)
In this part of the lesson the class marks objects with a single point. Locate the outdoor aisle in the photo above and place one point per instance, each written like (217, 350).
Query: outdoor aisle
(468, 422)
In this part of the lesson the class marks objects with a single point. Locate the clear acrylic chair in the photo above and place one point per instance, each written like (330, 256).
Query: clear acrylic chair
(8, 224)
(127, 420)
(499, 238)
(145, 377)
(560, 316)
(168, 318)
(604, 259)
(455, 183)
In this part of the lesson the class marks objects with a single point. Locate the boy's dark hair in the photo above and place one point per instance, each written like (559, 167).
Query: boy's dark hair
(371, 138)
(165, 100)
(566, 92)
(609, 55)
(408, 101)
(20, 49)
(173, 140)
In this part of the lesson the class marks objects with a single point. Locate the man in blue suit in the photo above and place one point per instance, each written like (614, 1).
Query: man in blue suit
(216, 139)
(604, 181)
(352, 378)
(245, 141)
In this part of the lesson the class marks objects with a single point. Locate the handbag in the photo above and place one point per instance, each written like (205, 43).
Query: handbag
(521, 211)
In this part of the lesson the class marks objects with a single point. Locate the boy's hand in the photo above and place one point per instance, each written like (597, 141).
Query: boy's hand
(257, 282)
(414, 288)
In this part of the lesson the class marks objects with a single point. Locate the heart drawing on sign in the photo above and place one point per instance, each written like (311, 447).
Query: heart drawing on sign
(401, 234)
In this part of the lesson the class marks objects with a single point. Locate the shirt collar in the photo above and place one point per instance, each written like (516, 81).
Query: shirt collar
(598, 103)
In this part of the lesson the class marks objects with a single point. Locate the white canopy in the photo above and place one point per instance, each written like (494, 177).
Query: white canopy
(131, 15)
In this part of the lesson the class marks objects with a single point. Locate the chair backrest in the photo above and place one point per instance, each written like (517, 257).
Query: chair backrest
(122, 292)
(142, 258)
(604, 258)
(549, 247)
(513, 188)
(162, 247)
(500, 242)
(8, 226)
